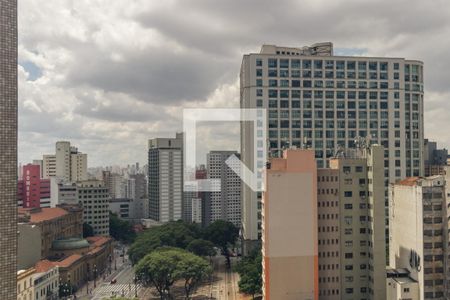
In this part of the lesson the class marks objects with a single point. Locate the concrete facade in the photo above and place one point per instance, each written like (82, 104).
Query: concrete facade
(419, 233)
(289, 214)
(49, 165)
(25, 287)
(94, 197)
(29, 245)
(54, 223)
(66, 164)
(400, 286)
(348, 213)
(435, 160)
(8, 149)
(324, 101)
(165, 178)
(352, 253)
(46, 284)
(226, 204)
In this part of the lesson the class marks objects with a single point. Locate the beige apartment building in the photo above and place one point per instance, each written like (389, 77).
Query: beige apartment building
(67, 164)
(419, 233)
(352, 253)
(289, 241)
(345, 204)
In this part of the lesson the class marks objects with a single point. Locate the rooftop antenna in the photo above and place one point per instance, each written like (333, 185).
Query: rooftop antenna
(304, 143)
(339, 151)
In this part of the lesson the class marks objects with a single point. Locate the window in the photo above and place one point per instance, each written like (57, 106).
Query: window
(284, 63)
(272, 62)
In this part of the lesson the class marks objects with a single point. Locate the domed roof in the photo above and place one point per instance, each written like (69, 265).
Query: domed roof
(70, 244)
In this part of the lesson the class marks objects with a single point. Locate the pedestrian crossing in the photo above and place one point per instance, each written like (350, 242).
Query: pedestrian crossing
(118, 290)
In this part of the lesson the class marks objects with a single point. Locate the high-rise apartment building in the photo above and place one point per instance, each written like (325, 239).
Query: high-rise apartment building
(49, 165)
(345, 205)
(67, 163)
(321, 101)
(8, 148)
(94, 197)
(140, 185)
(225, 204)
(289, 214)
(419, 233)
(351, 218)
(165, 178)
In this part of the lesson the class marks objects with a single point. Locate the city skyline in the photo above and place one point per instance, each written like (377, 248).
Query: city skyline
(132, 56)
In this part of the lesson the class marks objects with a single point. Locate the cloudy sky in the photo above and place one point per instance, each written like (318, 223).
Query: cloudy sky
(109, 75)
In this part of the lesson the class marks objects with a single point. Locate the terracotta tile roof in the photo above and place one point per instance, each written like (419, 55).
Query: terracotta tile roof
(409, 181)
(43, 266)
(44, 214)
(68, 261)
(97, 241)
(95, 250)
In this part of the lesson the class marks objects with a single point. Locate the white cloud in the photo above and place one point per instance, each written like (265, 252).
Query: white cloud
(116, 73)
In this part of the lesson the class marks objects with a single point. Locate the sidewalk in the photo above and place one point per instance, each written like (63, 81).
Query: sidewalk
(82, 293)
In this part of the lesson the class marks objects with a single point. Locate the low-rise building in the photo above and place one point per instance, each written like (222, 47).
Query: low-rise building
(46, 282)
(400, 286)
(25, 284)
(62, 192)
(81, 260)
(64, 221)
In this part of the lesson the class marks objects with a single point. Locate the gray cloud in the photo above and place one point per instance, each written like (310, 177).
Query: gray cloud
(112, 75)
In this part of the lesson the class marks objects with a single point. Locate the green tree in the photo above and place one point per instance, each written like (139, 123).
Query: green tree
(192, 270)
(121, 230)
(87, 230)
(223, 234)
(164, 266)
(201, 247)
(250, 272)
(173, 234)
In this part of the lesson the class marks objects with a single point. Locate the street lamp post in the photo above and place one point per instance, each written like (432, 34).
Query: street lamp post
(135, 286)
(95, 276)
(87, 283)
(110, 263)
(70, 285)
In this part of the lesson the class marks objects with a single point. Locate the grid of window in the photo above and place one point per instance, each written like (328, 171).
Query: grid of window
(326, 103)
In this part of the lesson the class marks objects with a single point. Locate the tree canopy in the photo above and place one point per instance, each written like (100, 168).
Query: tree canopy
(223, 234)
(121, 230)
(250, 271)
(173, 234)
(87, 230)
(201, 247)
(164, 266)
